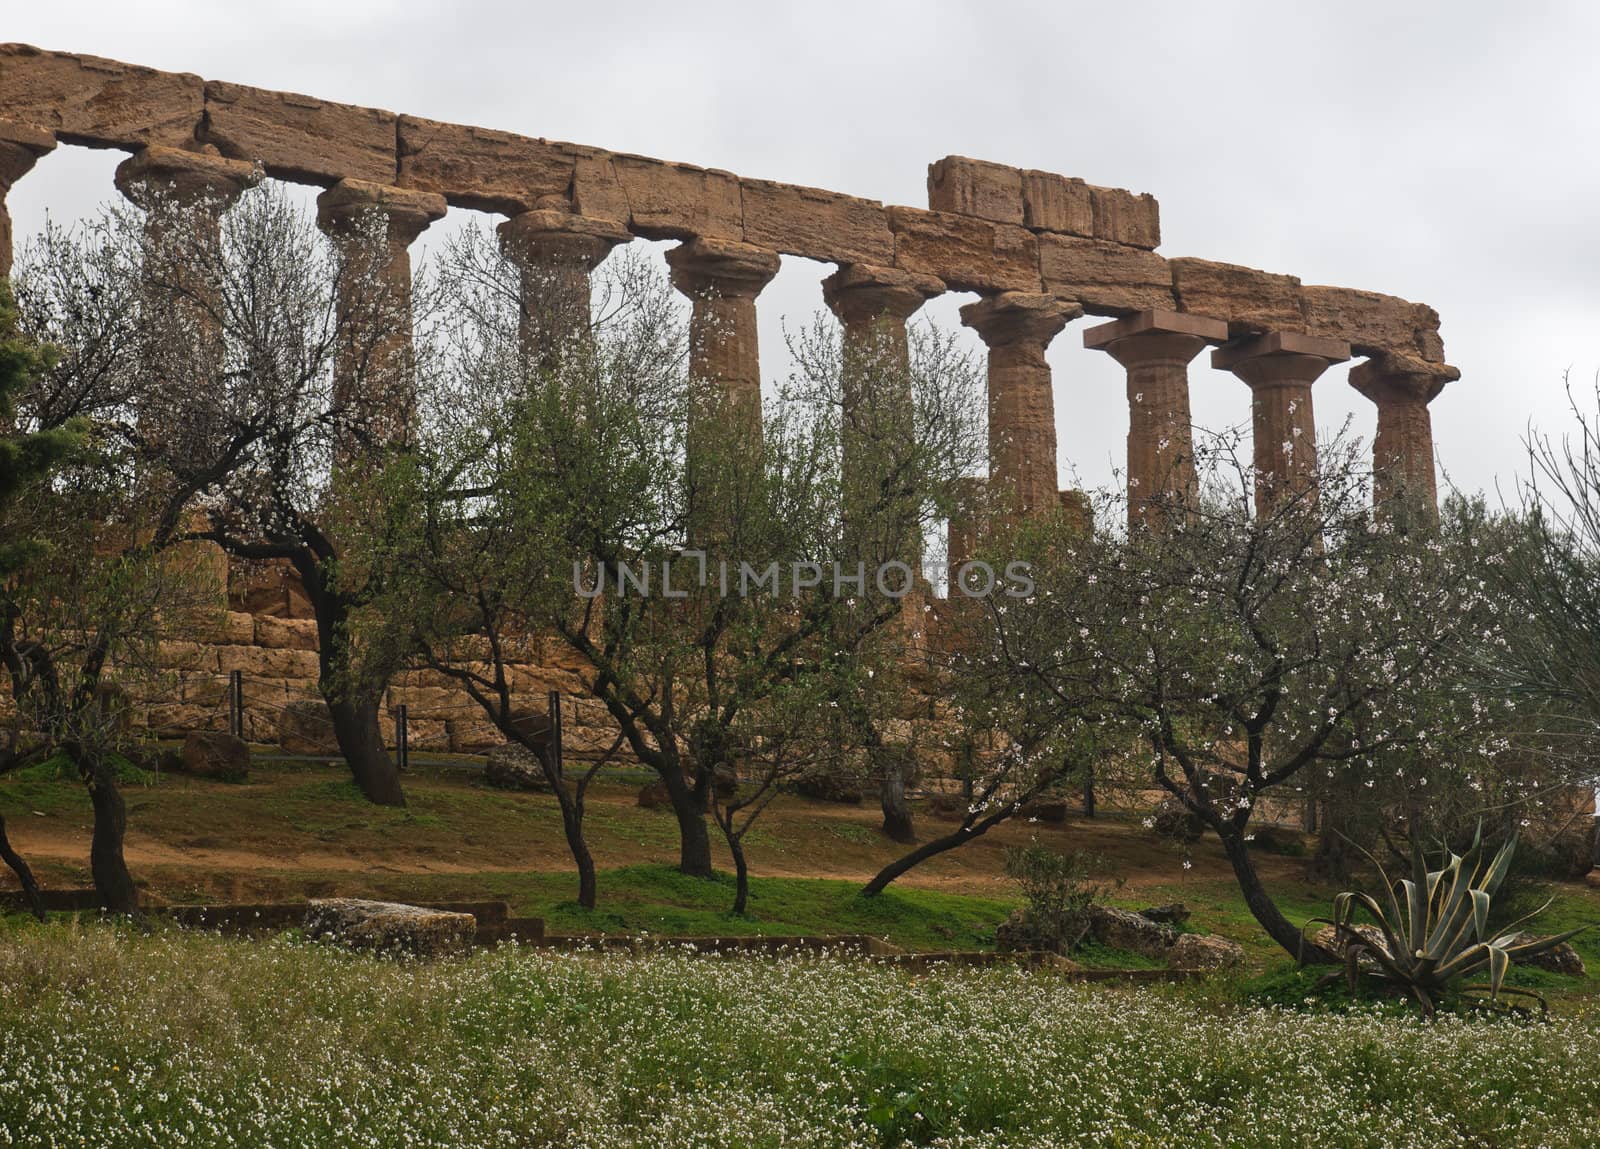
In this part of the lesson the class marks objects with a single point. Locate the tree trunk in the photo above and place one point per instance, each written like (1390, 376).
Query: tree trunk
(694, 840)
(572, 824)
(922, 853)
(741, 874)
(106, 864)
(897, 822)
(355, 725)
(1279, 928)
(1088, 792)
(30, 888)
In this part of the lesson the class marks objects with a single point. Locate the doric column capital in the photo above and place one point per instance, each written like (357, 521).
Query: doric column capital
(548, 236)
(721, 268)
(1014, 317)
(20, 148)
(1156, 337)
(153, 173)
(407, 213)
(1393, 378)
(861, 292)
(1280, 358)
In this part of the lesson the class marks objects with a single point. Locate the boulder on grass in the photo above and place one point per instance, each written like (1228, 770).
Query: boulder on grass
(1331, 940)
(389, 927)
(306, 727)
(1124, 930)
(1168, 914)
(654, 796)
(828, 786)
(1561, 959)
(1204, 951)
(212, 754)
(515, 767)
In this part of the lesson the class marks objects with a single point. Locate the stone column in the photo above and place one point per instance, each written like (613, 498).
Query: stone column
(1280, 368)
(1403, 482)
(20, 149)
(878, 419)
(183, 195)
(372, 226)
(723, 278)
(1017, 327)
(1156, 348)
(555, 251)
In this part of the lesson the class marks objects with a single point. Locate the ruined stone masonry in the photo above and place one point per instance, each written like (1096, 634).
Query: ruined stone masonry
(1039, 250)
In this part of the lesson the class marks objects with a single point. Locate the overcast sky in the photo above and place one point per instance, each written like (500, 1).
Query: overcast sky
(1444, 152)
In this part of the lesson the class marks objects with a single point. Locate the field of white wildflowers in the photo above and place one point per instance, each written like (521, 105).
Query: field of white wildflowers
(112, 1038)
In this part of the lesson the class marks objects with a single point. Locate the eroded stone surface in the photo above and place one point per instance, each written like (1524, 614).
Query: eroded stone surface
(297, 137)
(967, 254)
(815, 224)
(1248, 300)
(975, 187)
(99, 102)
(659, 200)
(1122, 216)
(1106, 278)
(483, 169)
(1372, 323)
(1057, 203)
(389, 927)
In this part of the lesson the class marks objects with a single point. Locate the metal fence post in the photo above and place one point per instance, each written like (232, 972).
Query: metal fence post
(402, 738)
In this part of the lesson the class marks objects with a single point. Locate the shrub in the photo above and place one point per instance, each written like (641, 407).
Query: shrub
(1059, 890)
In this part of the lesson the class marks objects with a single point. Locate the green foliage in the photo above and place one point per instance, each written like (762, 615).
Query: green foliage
(60, 767)
(1059, 890)
(1435, 927)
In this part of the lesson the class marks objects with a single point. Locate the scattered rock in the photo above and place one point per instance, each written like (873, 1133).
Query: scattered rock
(1044, 810)
(306, 727)
(389, 927)
(212, 754)
(1016, 933)
(1170, 914)
(654, 796)
(1593, 878)
(515, 767)
(1176, 824)
(1204, 951)
(1329, 939)
(1124, 930)
(1562, 959)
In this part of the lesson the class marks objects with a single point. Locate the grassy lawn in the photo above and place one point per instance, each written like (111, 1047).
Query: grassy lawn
(115, 1038)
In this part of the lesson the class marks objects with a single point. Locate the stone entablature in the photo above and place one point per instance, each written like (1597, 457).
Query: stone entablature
(988, 227)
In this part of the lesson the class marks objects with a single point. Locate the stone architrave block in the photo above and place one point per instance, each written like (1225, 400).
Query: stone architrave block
(1372, 323)
(968, 254)
(482, 169)
(301, 138)
(976, 187)
(1110, 279)
(659, 200)
(1249, 301)
(815, 224)
(1122, 216)
(97, 102)
(1057, 203)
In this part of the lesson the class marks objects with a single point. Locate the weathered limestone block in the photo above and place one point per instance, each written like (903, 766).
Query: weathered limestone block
(212, 754)
(815, 224)
(472, 736)
(265, 662)
(1057, 203)
(968, 254)
(1249, 301)
(199, 688)
(1372, 323)
(1106, 278)
(176, 719)
(1122, 216)
(389, 927)
(286, 633)
(1125, 930)
(306, 727)
(300, 138)
(512, 766)
(975, 187)
(439, 703)
(659, 200)
(483, 169)
(1204, 951)
(97, 102)
(178, 654)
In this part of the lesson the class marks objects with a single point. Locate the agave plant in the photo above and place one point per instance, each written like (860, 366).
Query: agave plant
(1435, 927)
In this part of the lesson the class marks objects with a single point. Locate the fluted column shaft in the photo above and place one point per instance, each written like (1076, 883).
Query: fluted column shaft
(183, 195)
(1280, 368)
(372, 226)
(1156, 348)
(555, 252)
(1403, 485)
(878, 418)
(20, 149)
(1017, 328)
(722, 280)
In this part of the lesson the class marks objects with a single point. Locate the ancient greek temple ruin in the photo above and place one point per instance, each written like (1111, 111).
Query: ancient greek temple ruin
(1038, 249)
